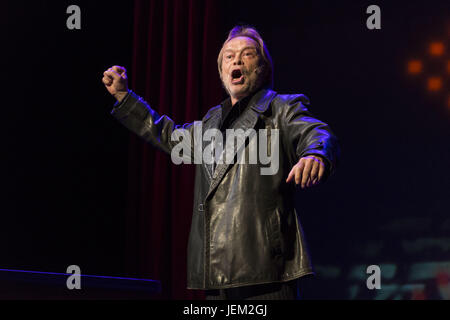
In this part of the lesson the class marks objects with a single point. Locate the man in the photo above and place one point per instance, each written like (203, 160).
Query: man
(246, 241)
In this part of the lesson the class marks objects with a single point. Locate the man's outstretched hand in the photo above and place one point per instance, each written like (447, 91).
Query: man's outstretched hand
(116, 82)
(308, 171)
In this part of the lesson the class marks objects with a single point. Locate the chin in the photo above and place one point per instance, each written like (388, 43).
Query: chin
(240, 92)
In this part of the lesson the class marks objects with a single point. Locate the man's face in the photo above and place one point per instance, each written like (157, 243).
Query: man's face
(240, 67)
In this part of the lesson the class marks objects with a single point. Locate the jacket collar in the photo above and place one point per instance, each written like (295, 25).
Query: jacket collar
(261, 100)
(259, 103)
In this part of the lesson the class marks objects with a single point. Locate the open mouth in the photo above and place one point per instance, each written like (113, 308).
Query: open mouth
(237, 77)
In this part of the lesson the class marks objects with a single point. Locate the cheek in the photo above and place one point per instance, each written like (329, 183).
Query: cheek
(224, 68)
(253, 70)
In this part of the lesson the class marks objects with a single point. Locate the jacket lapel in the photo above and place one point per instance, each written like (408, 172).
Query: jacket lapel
(257, 105)
(211, 122)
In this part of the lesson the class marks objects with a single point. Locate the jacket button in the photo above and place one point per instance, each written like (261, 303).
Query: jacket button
(200, 207)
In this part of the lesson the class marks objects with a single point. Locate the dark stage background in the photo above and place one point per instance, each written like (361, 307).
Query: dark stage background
(77, 188)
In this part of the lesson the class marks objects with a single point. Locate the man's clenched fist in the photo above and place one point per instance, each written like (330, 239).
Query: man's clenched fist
(115, 80)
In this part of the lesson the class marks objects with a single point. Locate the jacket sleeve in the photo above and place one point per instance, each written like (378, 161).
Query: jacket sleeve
(308, 135)
(160, 131)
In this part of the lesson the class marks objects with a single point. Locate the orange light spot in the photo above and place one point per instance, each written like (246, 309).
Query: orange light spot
(436, 48)
(414, 66)
(434, 83)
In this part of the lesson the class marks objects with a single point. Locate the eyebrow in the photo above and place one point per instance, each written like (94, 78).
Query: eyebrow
(247, 47)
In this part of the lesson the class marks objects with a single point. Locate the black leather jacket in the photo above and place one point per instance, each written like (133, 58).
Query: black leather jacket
(245, 229)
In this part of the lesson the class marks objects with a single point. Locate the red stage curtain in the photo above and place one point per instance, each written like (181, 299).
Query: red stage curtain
(174, 69)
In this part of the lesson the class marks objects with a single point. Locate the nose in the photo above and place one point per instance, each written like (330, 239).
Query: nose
(237, 60)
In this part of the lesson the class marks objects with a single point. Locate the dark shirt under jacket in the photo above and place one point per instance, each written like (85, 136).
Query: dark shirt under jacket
(231, 113)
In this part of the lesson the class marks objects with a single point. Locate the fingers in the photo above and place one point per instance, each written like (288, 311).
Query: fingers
(109, 77)
(120, 70)
(321, 172)
(114, 73)
(107, 80)
(314, 173)
(291, 175)
(298, 171)
(307, 172)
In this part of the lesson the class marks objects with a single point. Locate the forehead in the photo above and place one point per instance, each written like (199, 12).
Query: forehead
(239, 43)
